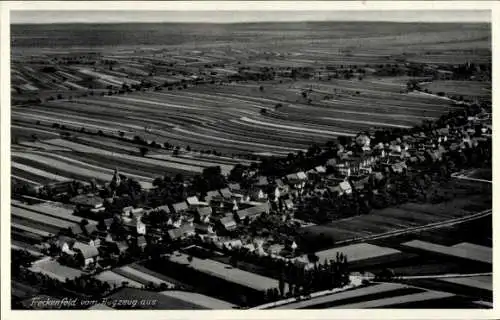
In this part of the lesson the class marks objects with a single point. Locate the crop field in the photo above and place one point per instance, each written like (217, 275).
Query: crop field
(200, 299)
(407, 215)
(235, 119)
(114, 279)
(55, 270)
(461, 88)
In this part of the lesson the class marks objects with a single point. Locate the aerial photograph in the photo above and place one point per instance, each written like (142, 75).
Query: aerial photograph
(250, 160)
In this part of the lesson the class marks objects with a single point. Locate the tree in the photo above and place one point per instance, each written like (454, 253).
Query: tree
(143, 151)
(121, 134)
(261, 88)
(263, 111)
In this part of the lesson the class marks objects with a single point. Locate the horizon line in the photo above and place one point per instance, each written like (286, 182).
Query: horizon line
(247, 22)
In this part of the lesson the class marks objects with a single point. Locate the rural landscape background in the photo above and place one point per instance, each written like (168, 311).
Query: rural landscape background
(257, 165)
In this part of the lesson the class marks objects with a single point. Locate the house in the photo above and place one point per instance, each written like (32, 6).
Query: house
(141, 242)
(131, 211)
(345, 187)
(226, 193)
(203, 214)
(64, 243)
(296, 178)
(233, 243)
(212, 195)
(118, 247)
(134, 225)
(164, 208)
(399, 167)
(288, 204)
(204, 228)
(261, 181)
(88, 254)
(283, 187)
(275, 249)
(88, 203)
(180, 207)
(320, 169)
(359, 182)
(192, 201)
(182, 232)
(227, 223)
(252, 213)
(234, 187)
(257, 194)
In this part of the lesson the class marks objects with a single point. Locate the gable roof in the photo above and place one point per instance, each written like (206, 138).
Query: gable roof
(180, 206)
(225, 193)
(192, 200)
(261, 181)
(86, 250)
(234, 186)
(344, 186)
(320, 169)
(212, 194)
(252, 211)
(228, 222)
(204, 211)
(141, 240)
(163, 207)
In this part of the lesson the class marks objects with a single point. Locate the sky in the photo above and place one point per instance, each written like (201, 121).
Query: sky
(43, 17)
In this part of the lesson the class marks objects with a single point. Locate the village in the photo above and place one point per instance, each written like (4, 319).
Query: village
(254, 215)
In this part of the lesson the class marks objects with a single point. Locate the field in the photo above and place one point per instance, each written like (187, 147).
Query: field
(191, 105)
(469, 199)
(55, 270)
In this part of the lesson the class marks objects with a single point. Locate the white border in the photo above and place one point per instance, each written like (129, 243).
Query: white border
(227, 6)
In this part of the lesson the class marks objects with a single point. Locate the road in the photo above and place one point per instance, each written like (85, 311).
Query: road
(462, 175)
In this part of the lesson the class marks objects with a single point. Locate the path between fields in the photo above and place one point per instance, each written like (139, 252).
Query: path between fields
(462, 175)
(436, 225)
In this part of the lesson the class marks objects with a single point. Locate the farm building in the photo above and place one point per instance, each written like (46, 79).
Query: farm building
(253, 212)
(88, 254)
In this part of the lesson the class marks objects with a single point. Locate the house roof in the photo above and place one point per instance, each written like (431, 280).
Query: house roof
(192, 200)
(234, 186)
(279, 183)
(228, 222)
(61, 240)
(180, 206)
(204, 211)
(289, 203)
(163, 207)
(261, 181)
(226, 193)
(212, 194)
(320, 169)
(141, 240)
(86, 250)
(175, 233)
(252, 211)
(86, 200)
(344, 185)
